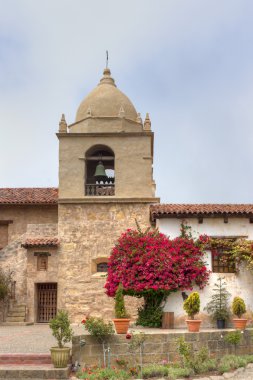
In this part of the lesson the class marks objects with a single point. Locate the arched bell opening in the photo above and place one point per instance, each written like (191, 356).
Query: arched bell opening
(100, 174)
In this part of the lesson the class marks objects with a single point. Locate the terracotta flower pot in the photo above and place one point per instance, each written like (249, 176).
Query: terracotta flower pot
(240, 323)
(60, 356)
(121, 325)
(193, 325)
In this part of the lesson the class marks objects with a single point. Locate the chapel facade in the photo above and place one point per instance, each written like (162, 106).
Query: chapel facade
(57, 241)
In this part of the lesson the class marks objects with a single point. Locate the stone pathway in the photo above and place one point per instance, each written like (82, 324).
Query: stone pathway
(25, 339)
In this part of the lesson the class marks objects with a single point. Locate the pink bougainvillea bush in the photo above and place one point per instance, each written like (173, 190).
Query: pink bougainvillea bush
(151, 265)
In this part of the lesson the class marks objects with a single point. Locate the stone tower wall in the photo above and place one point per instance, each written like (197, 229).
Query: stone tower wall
(88, 232)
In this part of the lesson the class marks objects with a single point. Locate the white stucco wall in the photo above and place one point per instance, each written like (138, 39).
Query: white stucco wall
(239, 284)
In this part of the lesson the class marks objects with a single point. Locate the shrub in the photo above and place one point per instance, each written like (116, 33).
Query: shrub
(198, 362)
(150, 314)
(103, 374)
(120, 310)
(154, 370)
(231, 362)
(150, 265)
(5, 283)
(192, 305)
(98, 328)
(184, 350)
(238, 307)
(61, 330)
(233, 337)
(217, 307)
(175, 373)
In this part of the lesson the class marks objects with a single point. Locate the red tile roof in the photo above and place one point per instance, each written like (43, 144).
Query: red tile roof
(41, 242)
(26, 196)
(163, 210)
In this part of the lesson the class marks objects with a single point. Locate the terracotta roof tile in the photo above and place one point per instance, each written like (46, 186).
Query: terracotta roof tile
(20, 196)
(163, 210)
(41, 242)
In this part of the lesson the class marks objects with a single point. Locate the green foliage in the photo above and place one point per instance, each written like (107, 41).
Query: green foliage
(238, 307)
(98, 328)
(5, 283)
(185, 231)
(232, 362)
(154, 370)
(61, 330)
(171, 371)
(103, 374)
(237, 251)
(218, 306)
(201, 362)
(198, 362)
(185, 351)
(233, 337)
(192, 305)
(120, 310)
(3, 291)
(150, 314)
(175, 373)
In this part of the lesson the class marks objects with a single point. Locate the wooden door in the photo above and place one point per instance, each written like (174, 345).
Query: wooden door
(47, 302)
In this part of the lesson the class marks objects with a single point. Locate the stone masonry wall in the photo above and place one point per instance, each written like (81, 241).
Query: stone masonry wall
(14, 257)
(88, 232)
(158, 347)
(24, 215)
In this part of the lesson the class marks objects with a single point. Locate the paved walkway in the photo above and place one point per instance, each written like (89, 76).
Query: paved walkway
(25, 339)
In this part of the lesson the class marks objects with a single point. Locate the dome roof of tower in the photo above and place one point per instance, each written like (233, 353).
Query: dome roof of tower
(106, 100)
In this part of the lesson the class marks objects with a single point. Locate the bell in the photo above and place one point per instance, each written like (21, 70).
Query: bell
(100, 173)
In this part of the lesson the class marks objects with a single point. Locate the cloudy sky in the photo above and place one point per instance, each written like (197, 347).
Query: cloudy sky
(189, 63)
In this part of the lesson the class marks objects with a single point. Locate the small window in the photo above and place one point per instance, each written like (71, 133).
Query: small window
(42, 262)
(222, 262)
(102, 267)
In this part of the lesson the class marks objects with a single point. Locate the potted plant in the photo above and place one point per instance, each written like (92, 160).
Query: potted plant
(192, 307)
(218, 306)
(121, 322)
(238, 309)
(61, 330)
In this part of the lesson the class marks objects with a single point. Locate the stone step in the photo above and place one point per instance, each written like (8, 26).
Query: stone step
(29, 371)
(15, 319)
(18, 308)
(16, 323)
(27, 358)
(13, 313)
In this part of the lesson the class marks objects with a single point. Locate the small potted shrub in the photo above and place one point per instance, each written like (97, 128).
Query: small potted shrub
(217, 307)
(121, 322)
(238, 309)
(61, 330)
(192, 307)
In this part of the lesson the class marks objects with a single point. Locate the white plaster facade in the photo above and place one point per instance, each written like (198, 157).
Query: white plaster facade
(238, 284)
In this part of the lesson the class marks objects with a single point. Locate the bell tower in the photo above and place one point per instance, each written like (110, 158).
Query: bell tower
(107, 135)
(105, 183)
